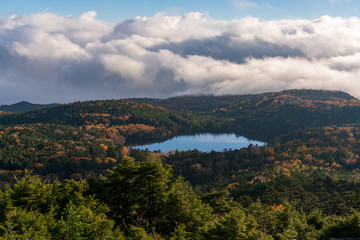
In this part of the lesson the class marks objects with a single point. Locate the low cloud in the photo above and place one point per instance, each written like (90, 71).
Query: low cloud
(50, 58)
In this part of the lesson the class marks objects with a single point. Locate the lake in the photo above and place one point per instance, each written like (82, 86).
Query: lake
(205, 142)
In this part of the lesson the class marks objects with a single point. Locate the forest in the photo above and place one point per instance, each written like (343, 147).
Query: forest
(69, 172)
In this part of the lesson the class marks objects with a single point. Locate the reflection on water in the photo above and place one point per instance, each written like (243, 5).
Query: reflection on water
(203, 142)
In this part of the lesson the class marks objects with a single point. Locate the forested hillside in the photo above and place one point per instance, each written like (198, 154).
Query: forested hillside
(268, 115)
(85, 182)
(136, 121)
(75, 139)
(142, 200)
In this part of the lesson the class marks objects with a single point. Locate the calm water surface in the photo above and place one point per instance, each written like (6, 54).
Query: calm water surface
(203, 142)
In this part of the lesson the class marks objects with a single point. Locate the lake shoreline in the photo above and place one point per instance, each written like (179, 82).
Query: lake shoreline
(204, 142)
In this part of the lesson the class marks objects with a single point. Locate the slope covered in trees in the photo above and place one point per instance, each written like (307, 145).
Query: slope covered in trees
(141, 200)
(75, 139)
(265, 116)
(304, 184)
(311, 168)
(127, 117)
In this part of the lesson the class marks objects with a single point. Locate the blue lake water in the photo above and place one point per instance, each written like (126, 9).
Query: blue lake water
(203, 142)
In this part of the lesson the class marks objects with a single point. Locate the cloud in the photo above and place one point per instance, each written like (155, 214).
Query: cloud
(50, 58)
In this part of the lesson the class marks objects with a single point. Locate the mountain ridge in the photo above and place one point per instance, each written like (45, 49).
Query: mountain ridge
(256, 116)
(305, 93)
(23, 106)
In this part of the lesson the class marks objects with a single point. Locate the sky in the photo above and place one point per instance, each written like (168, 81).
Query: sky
(118, 10)
(65, 51)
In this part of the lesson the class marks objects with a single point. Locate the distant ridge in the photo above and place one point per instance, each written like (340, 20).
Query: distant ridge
(268, 115)
(25, 106)
(211, 103)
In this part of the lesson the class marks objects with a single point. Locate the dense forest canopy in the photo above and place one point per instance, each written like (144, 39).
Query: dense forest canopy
(67, 173)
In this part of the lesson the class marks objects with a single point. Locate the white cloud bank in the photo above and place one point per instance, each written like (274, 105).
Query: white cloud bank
(49, 58)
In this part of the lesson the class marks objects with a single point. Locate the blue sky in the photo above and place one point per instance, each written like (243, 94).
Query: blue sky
(116, 10)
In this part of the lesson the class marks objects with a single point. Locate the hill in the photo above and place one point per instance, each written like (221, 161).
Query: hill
(82, 137)
(268, 115)
(136, 122)
(211, 103)
(24, 106)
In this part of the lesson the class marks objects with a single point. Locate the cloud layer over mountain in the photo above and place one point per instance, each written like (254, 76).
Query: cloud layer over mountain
(50, 58)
